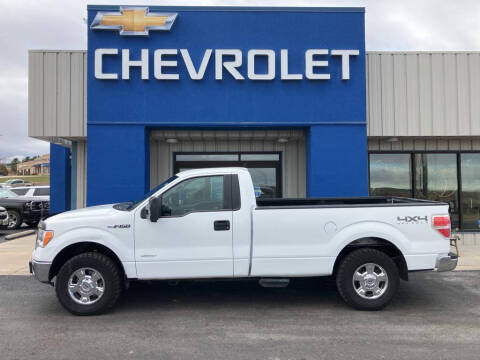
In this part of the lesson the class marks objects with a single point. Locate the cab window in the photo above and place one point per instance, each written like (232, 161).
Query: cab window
(20, 191)
(194, 195)
(41, 192)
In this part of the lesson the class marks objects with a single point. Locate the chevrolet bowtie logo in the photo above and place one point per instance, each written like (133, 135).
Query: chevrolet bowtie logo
(133, 21)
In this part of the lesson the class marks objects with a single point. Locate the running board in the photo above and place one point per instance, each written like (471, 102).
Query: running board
(274, 283)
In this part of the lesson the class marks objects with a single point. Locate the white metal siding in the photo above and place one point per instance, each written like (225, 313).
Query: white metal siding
(423, 94)
(293, 152)
(57, 94)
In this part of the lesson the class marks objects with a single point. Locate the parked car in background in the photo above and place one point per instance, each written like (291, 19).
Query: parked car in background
(3, 216)
(22, 209)
(37, 192)
(17, 182)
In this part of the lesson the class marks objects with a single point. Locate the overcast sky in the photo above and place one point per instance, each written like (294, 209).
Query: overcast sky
(48, 24)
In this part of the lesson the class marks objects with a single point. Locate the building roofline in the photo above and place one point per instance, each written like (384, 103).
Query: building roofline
(55, 51)
(375, 52)
(234, 8)
(420, 52)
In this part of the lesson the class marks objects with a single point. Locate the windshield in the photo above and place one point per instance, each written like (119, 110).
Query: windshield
(5, 193)
(133, 205)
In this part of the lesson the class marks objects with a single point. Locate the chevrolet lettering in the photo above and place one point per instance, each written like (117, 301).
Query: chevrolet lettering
(165, 63)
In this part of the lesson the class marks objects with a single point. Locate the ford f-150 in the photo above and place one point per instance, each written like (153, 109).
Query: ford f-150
(207, 223)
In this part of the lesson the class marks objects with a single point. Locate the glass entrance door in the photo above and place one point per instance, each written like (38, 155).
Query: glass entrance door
(265, 168)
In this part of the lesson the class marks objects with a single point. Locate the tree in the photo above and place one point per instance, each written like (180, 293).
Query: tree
(26, 158)
(3, 170)
(13, 164)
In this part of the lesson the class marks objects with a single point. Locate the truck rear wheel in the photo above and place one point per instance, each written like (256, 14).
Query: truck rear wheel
(367, 279)
(88, 284)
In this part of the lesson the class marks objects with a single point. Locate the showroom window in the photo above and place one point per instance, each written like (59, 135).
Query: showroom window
(449, 177)
(436, 179)
(390, 174)
(470, 195)
(265, 168)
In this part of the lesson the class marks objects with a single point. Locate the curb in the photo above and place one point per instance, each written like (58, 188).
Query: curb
(19, 234)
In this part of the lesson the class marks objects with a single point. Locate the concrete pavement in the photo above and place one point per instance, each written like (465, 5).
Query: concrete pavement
(15, 254)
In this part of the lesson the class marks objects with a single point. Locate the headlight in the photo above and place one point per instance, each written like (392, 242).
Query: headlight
(43, 237)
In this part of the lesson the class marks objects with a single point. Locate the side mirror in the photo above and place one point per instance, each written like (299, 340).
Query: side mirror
(155, 205)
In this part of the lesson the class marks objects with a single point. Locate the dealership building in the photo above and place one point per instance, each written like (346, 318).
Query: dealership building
(289, 93)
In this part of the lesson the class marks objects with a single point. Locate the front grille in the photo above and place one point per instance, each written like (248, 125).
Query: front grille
(40, 205)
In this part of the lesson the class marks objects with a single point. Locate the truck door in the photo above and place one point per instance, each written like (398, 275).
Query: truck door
(193, 236)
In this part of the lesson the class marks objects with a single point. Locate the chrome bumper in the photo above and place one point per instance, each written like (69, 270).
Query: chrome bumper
(40, 270)
(447, 262)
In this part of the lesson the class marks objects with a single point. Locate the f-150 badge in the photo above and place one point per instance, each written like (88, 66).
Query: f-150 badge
(121, 226)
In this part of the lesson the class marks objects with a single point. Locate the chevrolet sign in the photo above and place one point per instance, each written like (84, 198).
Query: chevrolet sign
(315, 60)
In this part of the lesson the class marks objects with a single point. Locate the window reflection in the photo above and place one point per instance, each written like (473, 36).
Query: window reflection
(390, 175)
(470, 164)
(264, 182)
(436, 179)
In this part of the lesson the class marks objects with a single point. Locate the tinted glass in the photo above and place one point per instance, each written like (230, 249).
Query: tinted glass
(436, 179)
(259, 157)
(470, 164)
(265, 182)
(41, 192)
(20, 191)
(390, 175)
(192, 195)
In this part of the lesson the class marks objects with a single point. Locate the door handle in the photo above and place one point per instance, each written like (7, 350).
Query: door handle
(221, 225)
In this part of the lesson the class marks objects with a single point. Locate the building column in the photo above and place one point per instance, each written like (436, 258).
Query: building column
(118, 166)
(60, 177)
(337, 163)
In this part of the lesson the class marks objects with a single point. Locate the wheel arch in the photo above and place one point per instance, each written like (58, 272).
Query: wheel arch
(378, 243)
(78, 248)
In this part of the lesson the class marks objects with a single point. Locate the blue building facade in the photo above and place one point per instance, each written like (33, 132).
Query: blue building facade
(225, 69)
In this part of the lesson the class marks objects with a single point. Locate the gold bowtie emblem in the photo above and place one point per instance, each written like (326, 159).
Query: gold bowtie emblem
(133, 21)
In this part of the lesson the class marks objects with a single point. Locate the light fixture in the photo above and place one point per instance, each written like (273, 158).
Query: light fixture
(393, 139)
(171, 141)
(282, 140)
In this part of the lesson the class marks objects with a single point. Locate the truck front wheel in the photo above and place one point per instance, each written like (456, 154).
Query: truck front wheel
(88, 284)
(367, 279)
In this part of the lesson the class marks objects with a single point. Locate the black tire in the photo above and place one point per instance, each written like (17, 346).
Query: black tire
(112, 276)
(14, 214)
(345, 283)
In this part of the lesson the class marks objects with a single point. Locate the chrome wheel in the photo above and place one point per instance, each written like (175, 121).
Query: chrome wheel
(12, 220)
(86, 286)
(370, 281)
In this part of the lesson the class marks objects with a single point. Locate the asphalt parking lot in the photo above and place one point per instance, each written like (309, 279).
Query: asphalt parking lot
(435, 316)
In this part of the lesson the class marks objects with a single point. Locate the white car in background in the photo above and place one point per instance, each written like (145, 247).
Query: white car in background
(37, 192)
(3, 216)
(13, 183)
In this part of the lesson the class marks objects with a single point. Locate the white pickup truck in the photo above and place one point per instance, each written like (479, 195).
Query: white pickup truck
(207, 223)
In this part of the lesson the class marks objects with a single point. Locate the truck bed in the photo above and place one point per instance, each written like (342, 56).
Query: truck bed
(365, 201)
